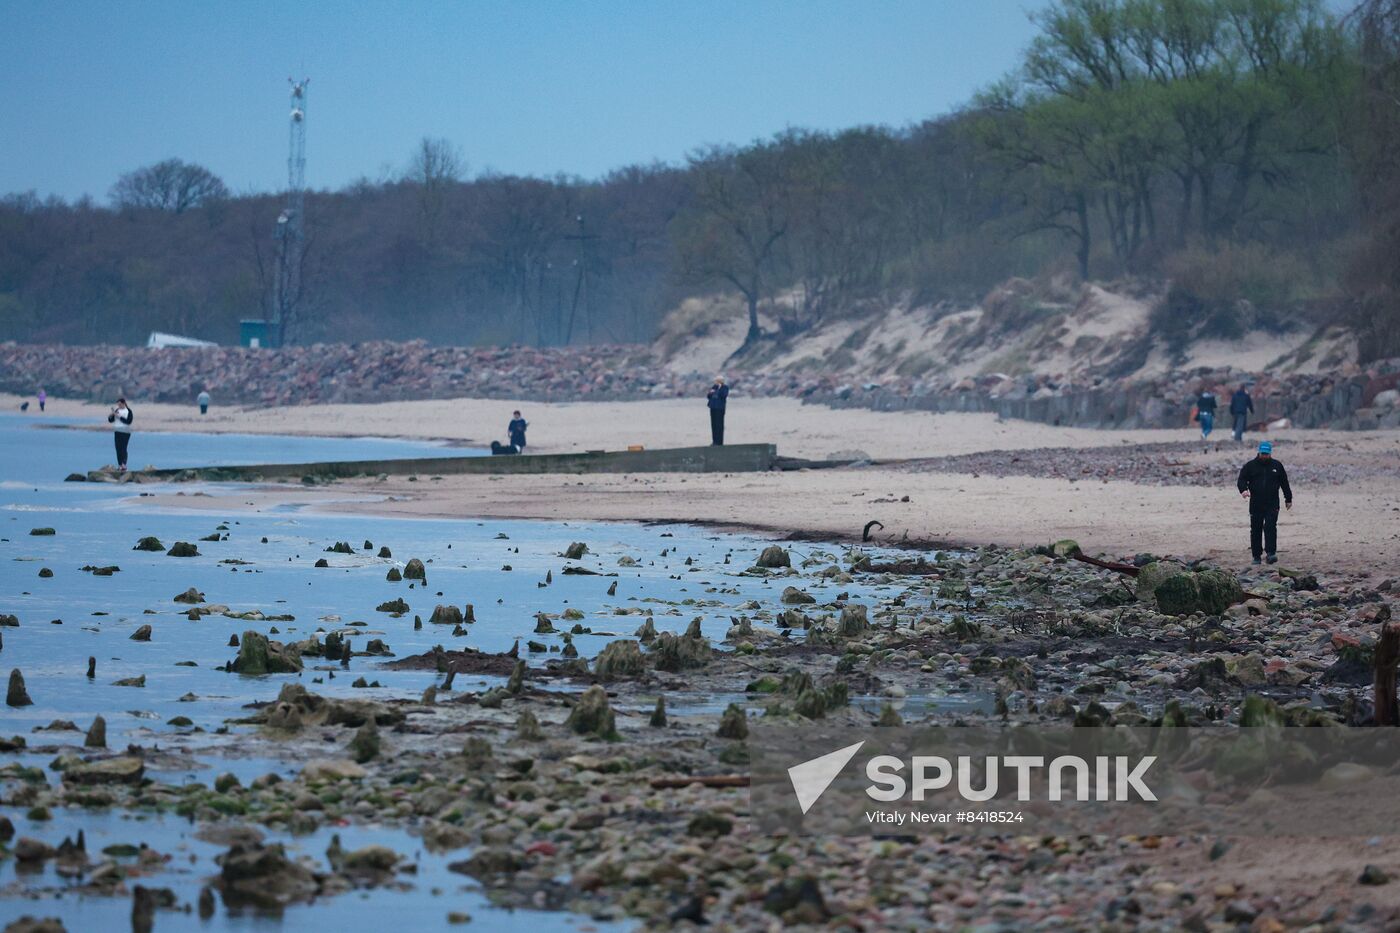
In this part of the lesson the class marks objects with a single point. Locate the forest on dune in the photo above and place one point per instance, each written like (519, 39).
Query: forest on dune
(1237, 156)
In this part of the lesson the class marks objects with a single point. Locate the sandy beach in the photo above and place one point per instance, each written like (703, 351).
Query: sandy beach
(1339, 525)
(799, 430)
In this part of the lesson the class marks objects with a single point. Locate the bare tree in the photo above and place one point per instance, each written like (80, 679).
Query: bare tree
(172, 185)
(738, 214)
(436, 166)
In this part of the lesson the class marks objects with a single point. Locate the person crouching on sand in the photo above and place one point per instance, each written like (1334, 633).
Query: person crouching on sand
(120, 418)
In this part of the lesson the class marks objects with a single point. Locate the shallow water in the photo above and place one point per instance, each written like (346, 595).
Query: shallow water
(97, 524)
(431, 892)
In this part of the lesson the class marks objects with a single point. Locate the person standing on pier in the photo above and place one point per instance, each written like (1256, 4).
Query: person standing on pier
(717, 398)
(516, 431)
(43, 397)
(203, 400)
(120, 418)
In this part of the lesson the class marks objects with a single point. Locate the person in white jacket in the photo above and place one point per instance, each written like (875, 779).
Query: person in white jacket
(120, 418)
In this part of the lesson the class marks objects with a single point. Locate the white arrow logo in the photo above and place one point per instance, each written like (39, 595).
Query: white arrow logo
(811, 778)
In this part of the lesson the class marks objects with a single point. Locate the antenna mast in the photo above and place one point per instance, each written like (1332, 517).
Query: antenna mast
(291, 223)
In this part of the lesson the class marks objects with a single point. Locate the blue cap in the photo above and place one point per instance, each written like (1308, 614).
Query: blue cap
(1265, 447)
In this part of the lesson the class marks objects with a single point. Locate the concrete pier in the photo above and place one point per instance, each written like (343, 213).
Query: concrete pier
(737, 458)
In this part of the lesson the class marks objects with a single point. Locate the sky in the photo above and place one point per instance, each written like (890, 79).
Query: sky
(90, 89)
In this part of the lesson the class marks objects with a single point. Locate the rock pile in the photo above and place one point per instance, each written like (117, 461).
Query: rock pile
(387, 371)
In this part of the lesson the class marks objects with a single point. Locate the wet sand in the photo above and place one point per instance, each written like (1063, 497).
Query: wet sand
(1347, 489)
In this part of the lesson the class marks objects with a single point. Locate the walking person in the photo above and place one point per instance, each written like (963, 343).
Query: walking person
(1241, 407)
(43, 398)
(120, 418)
(1205, 413)
(716, 399)
(1260, 482)
(516, 431)
(203, 401)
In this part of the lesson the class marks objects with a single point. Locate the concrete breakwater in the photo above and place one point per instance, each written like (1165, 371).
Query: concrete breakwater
(736, 458)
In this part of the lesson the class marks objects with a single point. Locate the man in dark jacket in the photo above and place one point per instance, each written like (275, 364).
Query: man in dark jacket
(1261, 480)
(1241, 407)
(516, 431)
(716, 398)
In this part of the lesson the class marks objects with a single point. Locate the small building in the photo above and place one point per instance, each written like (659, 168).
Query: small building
(255, 332)
(159, 339)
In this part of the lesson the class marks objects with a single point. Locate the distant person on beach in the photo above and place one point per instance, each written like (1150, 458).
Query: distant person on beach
(1241, 407)
(717, 398)
(203, 402)
(43, 398)
(1260, 482)
(120, 419)
(516, 431)
(1205, 413)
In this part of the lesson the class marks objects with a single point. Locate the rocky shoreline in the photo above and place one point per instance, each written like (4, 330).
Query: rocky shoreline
(1351, 399)
(612, 786)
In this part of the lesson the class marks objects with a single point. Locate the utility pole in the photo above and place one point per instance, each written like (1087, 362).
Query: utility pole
(582, 262)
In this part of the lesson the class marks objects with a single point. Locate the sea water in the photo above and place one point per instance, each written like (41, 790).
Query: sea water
(265, 562)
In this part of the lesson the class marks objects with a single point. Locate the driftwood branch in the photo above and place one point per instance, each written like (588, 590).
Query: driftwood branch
(1133, 571)
(709, 780)
(1129, 569)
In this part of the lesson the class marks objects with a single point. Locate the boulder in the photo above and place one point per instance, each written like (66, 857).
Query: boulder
(126, 769)
(262, 876)
(141, 634)
(414, 570)
(97, 734)
(1178, 595)
(17, 695)
(734, 724)
(149, 543)
(257, 655)
(618, 659)
(191, 597)
(396, 606)
(792, 596)
(575, 551)
(853, 622)
(773, 558)
(445, 615)
(592, 715)
(673, 653)
(182, 549)
(331, 769)
(365, 745)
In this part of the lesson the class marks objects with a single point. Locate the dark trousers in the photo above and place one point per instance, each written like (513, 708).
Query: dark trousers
(1263, 532)
(1240, 423)
(204, 409)
(717, 426)
(123, 438)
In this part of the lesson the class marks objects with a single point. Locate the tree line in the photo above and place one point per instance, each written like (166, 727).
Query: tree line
(1242, 150)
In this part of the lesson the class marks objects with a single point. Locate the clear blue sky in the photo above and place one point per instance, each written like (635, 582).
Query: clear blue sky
(93, 88)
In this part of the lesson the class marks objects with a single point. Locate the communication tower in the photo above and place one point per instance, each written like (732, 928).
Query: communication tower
(291, 223)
